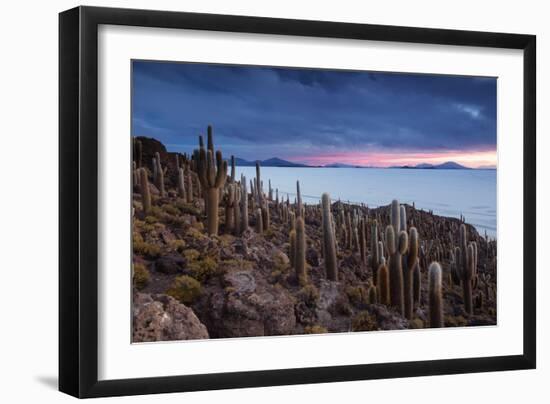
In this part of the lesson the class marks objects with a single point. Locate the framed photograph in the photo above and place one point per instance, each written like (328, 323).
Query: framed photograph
(251, 201)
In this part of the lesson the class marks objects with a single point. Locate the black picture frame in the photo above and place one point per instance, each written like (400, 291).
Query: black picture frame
(78, 196)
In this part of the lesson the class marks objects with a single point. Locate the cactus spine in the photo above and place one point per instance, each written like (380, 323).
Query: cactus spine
(435, 297)
(212, 175)
(329, 244)
(397, 242)
(300, 259)
(145, 193)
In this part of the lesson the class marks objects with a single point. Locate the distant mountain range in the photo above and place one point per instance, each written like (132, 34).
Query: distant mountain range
(449, 165)
(277, 162)
(272, 162)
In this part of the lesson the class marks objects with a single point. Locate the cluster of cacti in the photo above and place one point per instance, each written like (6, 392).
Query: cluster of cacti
(465, 267)
(212, 173)
(397, 244)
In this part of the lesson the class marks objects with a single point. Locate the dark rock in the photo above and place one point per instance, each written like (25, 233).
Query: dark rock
(170, 264)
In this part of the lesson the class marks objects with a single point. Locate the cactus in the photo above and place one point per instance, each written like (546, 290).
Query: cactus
(383, 284)
(145, 193)
(229, 202)
(181, 184)
(212, 175)
(237, 210)
(363, 241)
(266, 217)
(292, 249)
(232, 179)
(138, 151)
(300, 259)
(410, 261)
(329, 245)
(210, 139)
(299, 210)
(417, 284)
(259, 221)
(258, 185)
(159, 178)
(397, 242)
(244, 205)
(189, 186)
(292, 220)
(465, 267)
(375, 256)
(435, 300)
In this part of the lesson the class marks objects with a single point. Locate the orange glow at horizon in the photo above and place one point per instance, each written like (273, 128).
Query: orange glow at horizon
(472, 159)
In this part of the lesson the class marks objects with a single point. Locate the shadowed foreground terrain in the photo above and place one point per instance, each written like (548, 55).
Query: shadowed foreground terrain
(216, 256)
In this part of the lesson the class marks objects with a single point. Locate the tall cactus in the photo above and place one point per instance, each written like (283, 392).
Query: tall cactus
(144, 189)
(397, 242)
(363, 241)
(212, 175)
(159, 175)
(181, 184)
(259, 221)
(266, 216)
(375, 256)
(292, 249)
(410, 262)
(329, 244)
(435, 295)
(258, 185)
(232, 178)
(465, 267)
(300, 259)
(229, 202)
(299, 210)
(244, 205)
(237, 210)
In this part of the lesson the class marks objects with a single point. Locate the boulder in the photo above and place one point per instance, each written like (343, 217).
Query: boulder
(162, 318)
(248, 306)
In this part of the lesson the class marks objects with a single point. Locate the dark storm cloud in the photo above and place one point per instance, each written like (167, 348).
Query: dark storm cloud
(259, 111)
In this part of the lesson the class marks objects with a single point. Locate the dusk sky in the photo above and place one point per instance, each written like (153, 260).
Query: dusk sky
(317, 116)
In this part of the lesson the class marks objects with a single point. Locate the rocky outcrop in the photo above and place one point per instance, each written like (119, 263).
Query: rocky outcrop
(162, 318)
(248, 306)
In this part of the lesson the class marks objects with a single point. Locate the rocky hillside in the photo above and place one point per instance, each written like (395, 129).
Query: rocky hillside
(217, 257)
